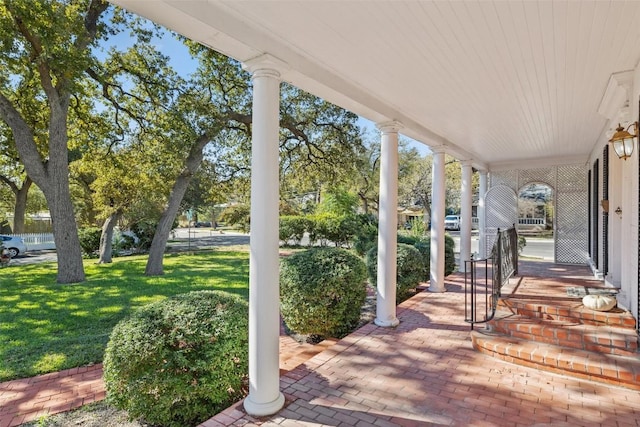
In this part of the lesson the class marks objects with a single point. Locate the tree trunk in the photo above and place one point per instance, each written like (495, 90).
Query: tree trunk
(106, 238)
(58, 195)
(21, 206)
(159, 243)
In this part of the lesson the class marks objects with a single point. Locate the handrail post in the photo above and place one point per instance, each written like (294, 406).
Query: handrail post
(514, 245)
(498, 261)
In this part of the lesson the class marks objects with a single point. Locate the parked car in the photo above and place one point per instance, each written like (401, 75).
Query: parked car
(14, 245)
(452, 222)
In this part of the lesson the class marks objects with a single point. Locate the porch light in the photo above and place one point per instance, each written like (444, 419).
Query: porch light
(622, 140)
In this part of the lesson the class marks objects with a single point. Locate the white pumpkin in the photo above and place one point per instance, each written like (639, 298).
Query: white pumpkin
(599, 302)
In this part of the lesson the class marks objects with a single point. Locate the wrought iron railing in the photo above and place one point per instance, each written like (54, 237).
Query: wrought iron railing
(484, 278)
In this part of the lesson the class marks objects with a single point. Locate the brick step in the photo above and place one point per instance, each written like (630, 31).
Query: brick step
(609, 369)
(566, 309)
(601, 339)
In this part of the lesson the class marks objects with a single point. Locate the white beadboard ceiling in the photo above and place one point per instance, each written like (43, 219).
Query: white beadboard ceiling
(498, 82)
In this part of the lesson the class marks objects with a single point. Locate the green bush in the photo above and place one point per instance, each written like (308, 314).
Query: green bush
(421, 243)
(337, 229)
(366, 235)
(179, 361)
(89, 240)
(293, 228)
(424, 247)
(144, 231)
(449, 257)
(322, 291)
(322, 228)
(410, 269)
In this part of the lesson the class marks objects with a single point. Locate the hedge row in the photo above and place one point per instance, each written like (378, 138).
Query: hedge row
(324, 228)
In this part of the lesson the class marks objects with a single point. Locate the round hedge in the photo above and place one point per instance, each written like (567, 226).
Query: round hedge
(179, 361)
(424, 247)
(410, 269)
(322, 291)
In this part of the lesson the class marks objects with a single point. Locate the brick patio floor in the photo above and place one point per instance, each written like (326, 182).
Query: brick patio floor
(422, 373)
(425, 373)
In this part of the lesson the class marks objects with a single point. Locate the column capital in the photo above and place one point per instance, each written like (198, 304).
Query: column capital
(266, 65)
(392, 126)
(466, 163)
(438, 149)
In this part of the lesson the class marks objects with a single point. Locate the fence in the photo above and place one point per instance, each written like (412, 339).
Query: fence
(532, 221)
(37, 241)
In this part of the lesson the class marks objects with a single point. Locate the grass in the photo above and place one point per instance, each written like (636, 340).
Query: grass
(46, 327)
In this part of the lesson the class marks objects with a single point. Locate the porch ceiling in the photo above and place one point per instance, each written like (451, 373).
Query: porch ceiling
(499, 82)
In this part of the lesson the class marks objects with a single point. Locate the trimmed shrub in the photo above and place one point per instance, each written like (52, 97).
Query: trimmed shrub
(322, 291)
(327, 227)
(424, 247)
(179, 361)
(292, 228)
(409, 240)
(410, 269)
(449, 257)
(89, 240)
(366, 235)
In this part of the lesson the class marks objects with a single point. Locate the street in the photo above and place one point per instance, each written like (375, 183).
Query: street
(537, 248)
(184, 239)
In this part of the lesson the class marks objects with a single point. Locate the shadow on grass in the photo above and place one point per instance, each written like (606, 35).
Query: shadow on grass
(45, 326)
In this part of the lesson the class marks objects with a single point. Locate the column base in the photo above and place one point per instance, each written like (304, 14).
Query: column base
(263, 409)
(437, 290)
(387, 323)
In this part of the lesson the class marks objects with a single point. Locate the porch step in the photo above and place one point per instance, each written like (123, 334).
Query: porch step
(609, 369)
(567, 310)
(568, 333)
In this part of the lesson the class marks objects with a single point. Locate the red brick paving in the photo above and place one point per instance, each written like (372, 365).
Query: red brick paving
(30, 398)
(423, 372)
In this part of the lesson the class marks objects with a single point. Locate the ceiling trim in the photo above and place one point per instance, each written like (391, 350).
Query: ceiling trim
(538, 163)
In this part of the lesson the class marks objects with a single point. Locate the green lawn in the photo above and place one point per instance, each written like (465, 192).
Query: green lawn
(46, 327)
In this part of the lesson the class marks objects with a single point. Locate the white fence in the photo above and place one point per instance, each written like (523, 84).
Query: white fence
(532, 221)
(37, 241)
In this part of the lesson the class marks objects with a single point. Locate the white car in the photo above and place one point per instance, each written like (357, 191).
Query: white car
(452, 222)
(14, 245)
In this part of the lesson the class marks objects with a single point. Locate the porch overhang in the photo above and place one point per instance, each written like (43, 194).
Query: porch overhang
(495, 82)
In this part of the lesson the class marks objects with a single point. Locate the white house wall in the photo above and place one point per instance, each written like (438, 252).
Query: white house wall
(631, 274)
(621, 249)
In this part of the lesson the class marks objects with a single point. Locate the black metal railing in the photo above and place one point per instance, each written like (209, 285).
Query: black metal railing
(484, 278)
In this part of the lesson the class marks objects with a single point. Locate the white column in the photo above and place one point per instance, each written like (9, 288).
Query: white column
(264, 397)
(436, 283)
(388, 226)
(466, 200)
(482, 216)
